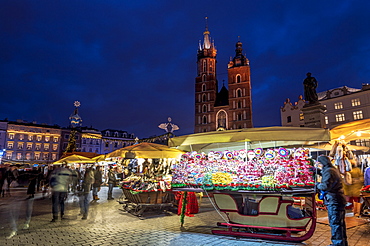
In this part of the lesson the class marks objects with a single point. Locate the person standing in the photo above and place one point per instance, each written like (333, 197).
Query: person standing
(111, 182)
(59, 182)
(98, 180)
(87, 182)
(352, 191)
(335, 201)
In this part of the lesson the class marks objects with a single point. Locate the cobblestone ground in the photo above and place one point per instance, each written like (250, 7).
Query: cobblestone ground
(108, 224)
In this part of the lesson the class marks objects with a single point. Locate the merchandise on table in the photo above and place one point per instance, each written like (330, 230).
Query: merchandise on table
(258, 169)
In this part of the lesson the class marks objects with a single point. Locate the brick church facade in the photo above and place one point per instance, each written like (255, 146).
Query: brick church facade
(228, 108)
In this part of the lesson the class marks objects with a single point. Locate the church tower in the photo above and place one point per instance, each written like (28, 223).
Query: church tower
(240, 101)
(205, 85)
(229, 108)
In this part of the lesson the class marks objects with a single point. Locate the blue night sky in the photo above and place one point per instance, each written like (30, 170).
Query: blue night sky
(132, 64)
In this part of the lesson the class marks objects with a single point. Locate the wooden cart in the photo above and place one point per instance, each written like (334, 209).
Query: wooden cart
(137, 203)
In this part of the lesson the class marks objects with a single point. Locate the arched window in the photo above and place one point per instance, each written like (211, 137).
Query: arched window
(204, 66)
(238, 78)
(239, 104)
(204, 108)
(239, 117)
(203, 87)
(221, 120)
(204, 78)
(211, 66)
(204, 119)
(239, 93)
(204, 98)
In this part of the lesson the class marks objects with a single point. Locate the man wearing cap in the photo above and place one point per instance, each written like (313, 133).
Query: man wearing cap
(335, 201)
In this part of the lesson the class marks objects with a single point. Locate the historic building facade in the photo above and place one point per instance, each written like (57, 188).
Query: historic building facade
(229, 108)
(31, 143)
(342, 104)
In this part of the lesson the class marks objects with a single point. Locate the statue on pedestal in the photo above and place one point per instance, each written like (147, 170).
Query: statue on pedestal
(310, 85)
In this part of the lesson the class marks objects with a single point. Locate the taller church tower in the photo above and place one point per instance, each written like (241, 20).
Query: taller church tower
(228, 108)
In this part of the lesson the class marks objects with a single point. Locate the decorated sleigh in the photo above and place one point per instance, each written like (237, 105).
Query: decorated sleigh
(269, 218)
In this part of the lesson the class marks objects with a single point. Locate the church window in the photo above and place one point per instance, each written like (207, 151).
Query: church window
(239, 116)
(204, 108)
(204, 78)
(204, 98)
(238, 93)
(211, 66)
(204, 66)
(204, 119)
(238, 78)
(221, 120)
(204, 87)
(239, 104)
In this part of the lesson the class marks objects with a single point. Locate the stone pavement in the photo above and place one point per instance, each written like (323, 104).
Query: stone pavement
(108, 224)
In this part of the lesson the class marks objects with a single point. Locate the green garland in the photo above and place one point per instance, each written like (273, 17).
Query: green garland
(183, 208)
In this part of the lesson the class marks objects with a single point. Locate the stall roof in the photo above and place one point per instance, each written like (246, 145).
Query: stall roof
(250, 138)
(359, 129)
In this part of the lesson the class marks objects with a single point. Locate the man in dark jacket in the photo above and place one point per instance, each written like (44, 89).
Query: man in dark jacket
(334, 199)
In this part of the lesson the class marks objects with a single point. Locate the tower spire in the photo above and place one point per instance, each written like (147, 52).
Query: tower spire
(207, 42)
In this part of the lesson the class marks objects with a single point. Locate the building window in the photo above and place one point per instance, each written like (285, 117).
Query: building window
(356, 102)
(116, 134)
(38, 147)
(21, 137)
(20, 145)
(28, 156)
(211, 66)
(239, 104)
(30, 137)
(29, 146)
(204, 66)
(54, 157)
(10, 145)
(204, 87)
(238, 93)
(204, 108)
(326, 120)
(338, 105)
(204, 119)
(9, 155)
(301, 116)
(106, 144)
(66, 136)
(46, 146)
(363, 142)
(238, 78)
(339, 117)
(239, 116)
(38, 138)
(55, 139)
(37, 156)
(47, 138)
(204, 98)
(357, 115)
(289, 119)
(46, 156)
(19, 156)
(55, 147)
(84, 141)
(11, 136)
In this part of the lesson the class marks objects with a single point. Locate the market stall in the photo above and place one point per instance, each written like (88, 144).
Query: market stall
(147, 182)
(255, 176)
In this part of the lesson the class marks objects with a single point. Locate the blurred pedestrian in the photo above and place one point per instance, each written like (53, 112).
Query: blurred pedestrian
(98, 180)
(32, 183)
(352, 190)
(59, 181)
(335, 201)
(87, 182)
(111, 182)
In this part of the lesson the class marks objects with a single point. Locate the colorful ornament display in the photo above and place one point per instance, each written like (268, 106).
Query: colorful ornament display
(250, 170)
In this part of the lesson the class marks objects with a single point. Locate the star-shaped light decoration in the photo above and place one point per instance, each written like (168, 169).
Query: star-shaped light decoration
(169, 127)
(77, 104)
